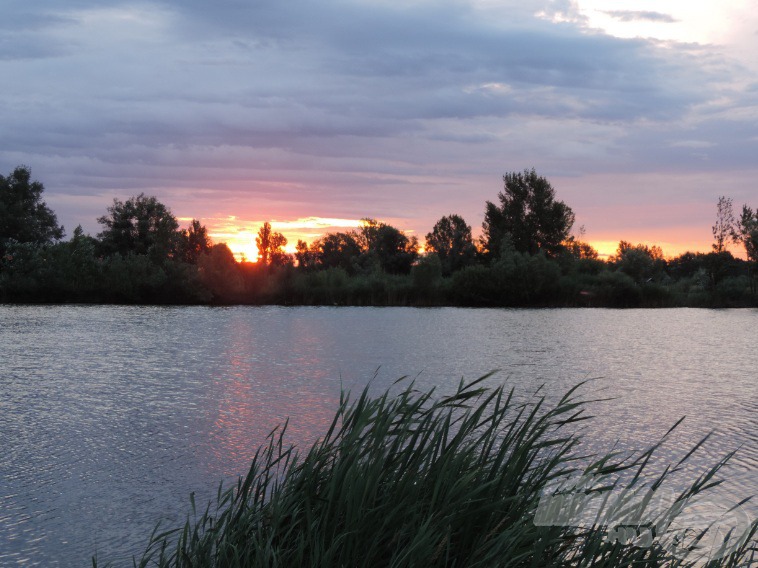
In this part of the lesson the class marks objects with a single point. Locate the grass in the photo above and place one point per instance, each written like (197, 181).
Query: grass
(416, 479)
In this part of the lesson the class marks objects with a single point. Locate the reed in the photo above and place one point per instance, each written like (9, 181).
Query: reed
(417, 479)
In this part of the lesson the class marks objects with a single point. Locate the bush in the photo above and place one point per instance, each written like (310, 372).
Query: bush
(132, 279)
(427, 273)
(591, 266)
(656, 296)
(476, 286)
(733, 291)
(616, 289)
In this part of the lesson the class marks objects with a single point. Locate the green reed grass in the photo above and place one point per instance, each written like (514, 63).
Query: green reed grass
(416, 479)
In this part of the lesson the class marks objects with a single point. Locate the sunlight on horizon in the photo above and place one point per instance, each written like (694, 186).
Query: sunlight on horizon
(239, 234)
(241, 240)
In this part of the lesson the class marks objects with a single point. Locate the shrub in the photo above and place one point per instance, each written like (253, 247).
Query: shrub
(617, 289)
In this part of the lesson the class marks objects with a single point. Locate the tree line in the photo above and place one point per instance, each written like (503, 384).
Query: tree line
(526, 256)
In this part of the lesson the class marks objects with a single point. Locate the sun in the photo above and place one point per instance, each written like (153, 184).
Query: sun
(241, 242)
(243, 246)
(240, 234)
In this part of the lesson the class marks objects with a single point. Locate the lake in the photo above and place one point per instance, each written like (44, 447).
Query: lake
(110, 416)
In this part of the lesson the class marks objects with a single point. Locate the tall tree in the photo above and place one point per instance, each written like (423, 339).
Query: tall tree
(270, 246)
(529, 213)
(450, 239)
(725, 226)
(195, 241)
(746, 232)
(24, 217)
(140, 225)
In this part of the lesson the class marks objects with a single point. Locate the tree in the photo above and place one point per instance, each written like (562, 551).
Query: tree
(395, 251)
(306, 256)
(367, 233)
(746, 232)
(338, 250)
(427, 273)
(529, 213)
(24, 217)
(578, 248)
(141, 225)
(725, 226)
(654, 252)
(220, 273)
(195, 241)
(581, 250)
(270, 246)
(81, 269)
(640, 262)
(385, 245)
(451, 241)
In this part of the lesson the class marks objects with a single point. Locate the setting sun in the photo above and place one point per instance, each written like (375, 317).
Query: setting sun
(240, 234)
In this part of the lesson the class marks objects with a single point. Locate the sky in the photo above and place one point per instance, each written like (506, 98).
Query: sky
(313, 115)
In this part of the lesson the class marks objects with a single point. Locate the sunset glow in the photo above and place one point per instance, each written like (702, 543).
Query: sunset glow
(608, 249)
(241, 241)
(641, 113)
(240, 234)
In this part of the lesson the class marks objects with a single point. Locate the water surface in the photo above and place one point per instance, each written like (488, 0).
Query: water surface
(111, 416)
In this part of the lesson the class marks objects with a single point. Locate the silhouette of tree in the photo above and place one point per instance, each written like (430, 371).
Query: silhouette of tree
(725, 226)
(578, 248)
(394, 250)
(529, 213)
(385, 245)
(305, 256)
(426, 273)
(80, 269)
(640, 262)
(24, 217)
(451, 241)
(718, 266)
(141, 225)
(338, 250)
(367, 233)
(220, 273)
(581, 250)
(270, 246)
(746, 232)
(195, 241)
(654, 252)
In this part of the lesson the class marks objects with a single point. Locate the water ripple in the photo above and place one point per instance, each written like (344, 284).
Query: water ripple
(111, 416)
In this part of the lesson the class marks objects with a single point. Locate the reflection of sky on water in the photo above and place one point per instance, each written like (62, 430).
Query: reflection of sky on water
(111, 416)
(267, 377)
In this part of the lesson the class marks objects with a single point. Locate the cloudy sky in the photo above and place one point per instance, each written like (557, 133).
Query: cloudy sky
(315, 114)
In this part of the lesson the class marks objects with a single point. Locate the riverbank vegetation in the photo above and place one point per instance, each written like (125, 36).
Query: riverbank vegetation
(526, 256)
(470, 479)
